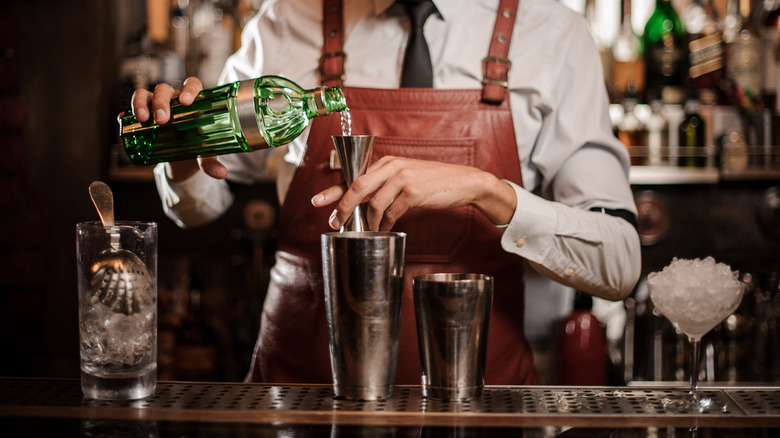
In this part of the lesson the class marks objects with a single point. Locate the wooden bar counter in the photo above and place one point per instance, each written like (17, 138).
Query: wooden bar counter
(56, 407)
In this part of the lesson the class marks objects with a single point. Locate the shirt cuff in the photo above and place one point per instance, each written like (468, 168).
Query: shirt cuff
(532, 228)
(195, 201)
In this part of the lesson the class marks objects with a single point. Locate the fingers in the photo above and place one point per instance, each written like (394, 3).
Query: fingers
(161, 103)
(376, 188)
(192, 86)
(362, 189)
(157, 104)
(181, 170)
(140, 104)
(212, 167)
(328, 196)
(387, 206)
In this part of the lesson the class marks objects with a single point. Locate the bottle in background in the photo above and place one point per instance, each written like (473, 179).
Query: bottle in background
(629, 68)
(582, 346)
(177, 55)
(770, 81)
(632, 131)
(197, 356)
(705, 45)
(692, 151)
(743, 61)
(734, 152)
(213, 31)
(665, 53)
(602, 35)
(241, 116)
(770, 46)
(657, 134)
(731, 22)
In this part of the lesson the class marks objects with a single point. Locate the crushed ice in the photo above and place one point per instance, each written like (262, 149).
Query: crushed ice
(695, 294)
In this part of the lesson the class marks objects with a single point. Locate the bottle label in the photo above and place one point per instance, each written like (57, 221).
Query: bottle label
(665, 68)
(744, 65)
(706, 55)
(771, 57)
(666, 57)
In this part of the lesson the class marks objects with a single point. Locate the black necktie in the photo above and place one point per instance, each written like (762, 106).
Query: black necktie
(417, 69)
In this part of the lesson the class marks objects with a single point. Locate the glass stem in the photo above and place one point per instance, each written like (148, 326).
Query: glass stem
(695, 362)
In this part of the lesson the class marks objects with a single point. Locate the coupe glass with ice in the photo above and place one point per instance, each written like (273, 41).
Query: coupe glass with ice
(117, 291)
(695, 295)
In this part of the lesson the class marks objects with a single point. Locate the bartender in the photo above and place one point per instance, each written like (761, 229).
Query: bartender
(496, 151)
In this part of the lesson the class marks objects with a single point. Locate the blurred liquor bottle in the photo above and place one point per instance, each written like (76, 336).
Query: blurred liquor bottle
(213, 33)
(705, 44)
(763, 328)
(628, 64)
(582, 346)
(770, 81)
(669, 350)
(734, 154)
(737, 338)
(743, 70)
(632, 131)
(692, 151)
(196, 343)
(602, 36)
(665, 53)
(743, 61)
(657, 134)
(770, 46)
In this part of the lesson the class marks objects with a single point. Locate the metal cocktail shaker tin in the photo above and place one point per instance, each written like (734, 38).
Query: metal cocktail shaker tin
(363, 276)
(453, 316)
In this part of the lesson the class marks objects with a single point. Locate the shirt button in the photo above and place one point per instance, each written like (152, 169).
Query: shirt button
(520, 242)
(569, 272)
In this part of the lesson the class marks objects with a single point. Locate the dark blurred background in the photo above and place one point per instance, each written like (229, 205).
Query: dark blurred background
(67, 68)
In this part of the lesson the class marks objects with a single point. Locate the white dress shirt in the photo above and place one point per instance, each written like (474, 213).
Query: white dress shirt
(571, 161)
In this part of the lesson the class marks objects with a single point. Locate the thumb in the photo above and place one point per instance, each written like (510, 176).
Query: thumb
(212, 167)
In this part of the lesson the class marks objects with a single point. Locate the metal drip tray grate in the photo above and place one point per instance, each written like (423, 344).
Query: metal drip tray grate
(531, 401)
(754, 402)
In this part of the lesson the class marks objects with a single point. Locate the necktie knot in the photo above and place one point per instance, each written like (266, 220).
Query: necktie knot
(419, 11)
(417, 69)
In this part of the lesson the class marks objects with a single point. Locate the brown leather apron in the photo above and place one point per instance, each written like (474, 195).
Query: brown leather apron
(455, 126)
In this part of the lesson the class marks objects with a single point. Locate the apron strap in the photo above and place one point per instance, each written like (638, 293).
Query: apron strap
(333, 58)
(495, 66)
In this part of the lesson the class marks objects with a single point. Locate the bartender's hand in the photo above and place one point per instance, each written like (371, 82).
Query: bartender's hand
(393, 186)
(160, 102)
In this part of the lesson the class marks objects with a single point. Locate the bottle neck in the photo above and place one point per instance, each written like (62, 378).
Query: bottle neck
(330, 99)
(692, 106)
(744, 9)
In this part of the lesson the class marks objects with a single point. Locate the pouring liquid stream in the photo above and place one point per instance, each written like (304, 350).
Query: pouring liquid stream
(346, 123)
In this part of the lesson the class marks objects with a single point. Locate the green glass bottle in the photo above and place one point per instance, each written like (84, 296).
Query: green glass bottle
(666, 54)
(241, 116)
(692, 152)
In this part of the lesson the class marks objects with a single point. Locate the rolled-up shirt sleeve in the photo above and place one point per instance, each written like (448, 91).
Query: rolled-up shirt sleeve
(577, 165)
(589, 251)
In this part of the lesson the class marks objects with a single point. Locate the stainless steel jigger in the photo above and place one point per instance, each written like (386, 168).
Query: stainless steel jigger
(354, 153)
